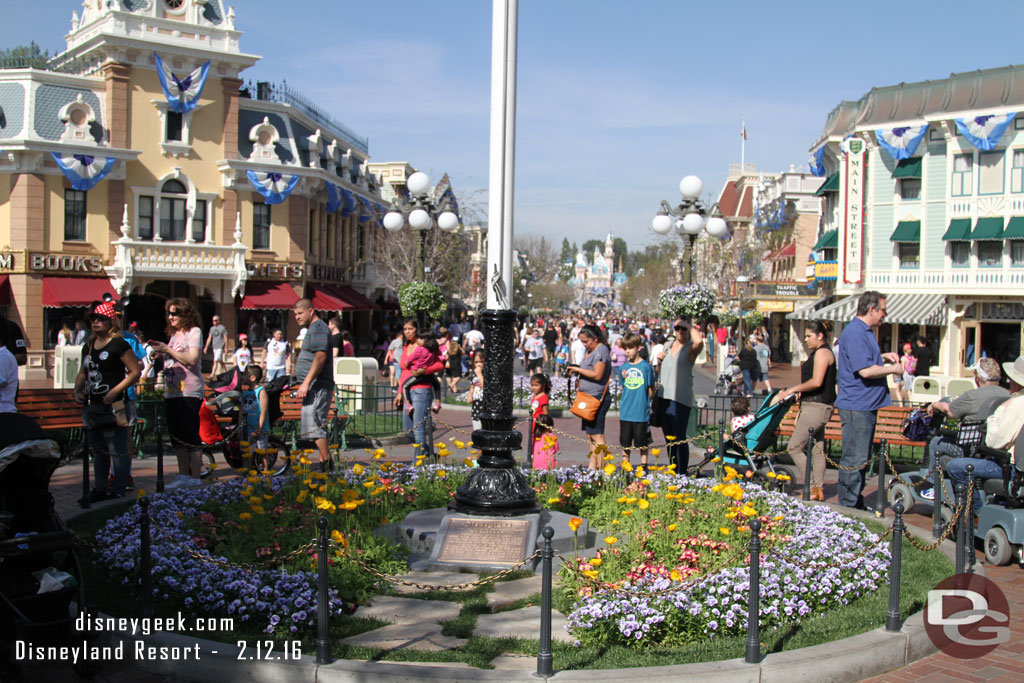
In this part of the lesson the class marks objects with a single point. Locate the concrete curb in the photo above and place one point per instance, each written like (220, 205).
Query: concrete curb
(850, 659)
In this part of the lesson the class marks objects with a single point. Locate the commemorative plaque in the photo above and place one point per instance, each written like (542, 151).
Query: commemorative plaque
(485, 541)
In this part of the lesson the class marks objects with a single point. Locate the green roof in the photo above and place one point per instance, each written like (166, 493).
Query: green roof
(828, 240)
(830, 185)
(988, 229)
(1014, 229)
(959, 229)
(907, 231)
(908, 168)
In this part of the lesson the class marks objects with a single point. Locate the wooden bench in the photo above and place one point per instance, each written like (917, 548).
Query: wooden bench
(889, 426)
(55, 410)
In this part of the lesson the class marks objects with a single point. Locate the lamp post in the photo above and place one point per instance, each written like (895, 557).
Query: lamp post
(691, 217)
(422, 212)
(741, 288)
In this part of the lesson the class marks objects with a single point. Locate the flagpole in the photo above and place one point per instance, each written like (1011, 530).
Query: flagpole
(743, 146)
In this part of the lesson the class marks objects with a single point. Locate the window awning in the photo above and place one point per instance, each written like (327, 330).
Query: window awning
(268, 295)
(830, 185)
(988, 229)
(1014, 229)
(959, 229)
(908, 168)
(806, 311)
(784, 252)
(907, 231)
(59, 292)
(358, 301)
(829, 240)
(5, 290)
(839, 311)
(916, 309)
(328, 298)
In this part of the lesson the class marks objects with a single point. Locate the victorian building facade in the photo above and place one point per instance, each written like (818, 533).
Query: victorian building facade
(139, 164)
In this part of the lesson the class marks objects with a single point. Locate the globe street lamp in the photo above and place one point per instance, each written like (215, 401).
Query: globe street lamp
(422, 212)
(690, 217)
(741, 289)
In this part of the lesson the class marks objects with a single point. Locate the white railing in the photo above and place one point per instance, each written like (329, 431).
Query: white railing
(139, 258)
(955, 280)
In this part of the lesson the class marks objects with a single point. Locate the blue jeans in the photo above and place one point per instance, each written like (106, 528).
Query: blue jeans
(274, 373)
(749, 379)
(675, 418)
(983, 469)
(940, 446)
(858, 434)
(419, 423)
(106, 443)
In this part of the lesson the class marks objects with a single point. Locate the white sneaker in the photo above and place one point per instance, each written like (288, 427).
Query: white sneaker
(192, 481)
(182, 480)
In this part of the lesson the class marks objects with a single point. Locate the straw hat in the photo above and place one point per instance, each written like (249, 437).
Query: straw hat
(1015, 370)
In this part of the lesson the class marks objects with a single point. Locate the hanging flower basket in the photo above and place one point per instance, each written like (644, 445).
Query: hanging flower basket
(417, 297)
(694, 301)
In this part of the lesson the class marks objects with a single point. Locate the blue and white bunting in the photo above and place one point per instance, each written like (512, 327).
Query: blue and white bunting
(367, 211)
(182, 93)
(817, 163)
(350, 205)
(334, 198)
(901, 142)
(275, 187)
(83, 170)
(985, 131)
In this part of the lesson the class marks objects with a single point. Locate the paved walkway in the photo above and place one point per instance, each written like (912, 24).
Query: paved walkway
(1006, 663)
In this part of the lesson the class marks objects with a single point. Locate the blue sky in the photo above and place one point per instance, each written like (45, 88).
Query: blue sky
(616, 100)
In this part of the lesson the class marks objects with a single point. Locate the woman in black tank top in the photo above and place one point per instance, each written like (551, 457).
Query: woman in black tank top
(817, 390)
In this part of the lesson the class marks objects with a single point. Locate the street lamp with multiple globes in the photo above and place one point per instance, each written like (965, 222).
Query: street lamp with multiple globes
(741, 289)
(420, 213)
(690, 218)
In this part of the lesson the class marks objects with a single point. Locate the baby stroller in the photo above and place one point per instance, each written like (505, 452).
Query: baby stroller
(731, 380)
(225, 434)
(746, 449)
(39, 570)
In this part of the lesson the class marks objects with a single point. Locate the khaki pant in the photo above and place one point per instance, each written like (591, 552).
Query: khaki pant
(814, 416)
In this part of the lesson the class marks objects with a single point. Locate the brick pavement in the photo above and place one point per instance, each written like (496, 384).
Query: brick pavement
(1006, 663)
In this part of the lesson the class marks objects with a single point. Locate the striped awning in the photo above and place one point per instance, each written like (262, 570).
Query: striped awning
(806, 311)
(902, 309)
(839, 311)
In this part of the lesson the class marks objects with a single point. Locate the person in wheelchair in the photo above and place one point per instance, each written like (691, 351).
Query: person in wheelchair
(1002, 428)
(971, 407)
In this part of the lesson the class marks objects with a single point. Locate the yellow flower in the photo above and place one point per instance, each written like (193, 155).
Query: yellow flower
(621, 499)
(627, 513)
(468, 462)
(770, 475)
(627, 466)
(731, 471)
(675, 575)
(321, 503)
(302, 496)
(574, 523)
(358, 469)
(419, 461)
(748, 511)
(258, 509)
(379, 453)
(644, 504)
(595, 562)
(615, 521)
(349, 505)
(640, 471)
(725, 531)
(730, 514)
(671, 527)
(688, 500)
(255, 500)
(369, 484)
(783, 477)
(717, 458)
(609, 457)
(655, 452)
(609, 469)
(717, 487)
(610, 540)
(267, 496)
(670, 438)
(554, 501)
(777, 518)
(305, 461)
(339, 538)
(244, 515)
(673, 487)
(441, 474)
(213, 465)
(590, 573)
(140, 494)
(180, 515)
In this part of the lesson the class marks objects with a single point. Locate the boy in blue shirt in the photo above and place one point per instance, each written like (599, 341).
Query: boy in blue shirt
(637, 380)
(255, 413)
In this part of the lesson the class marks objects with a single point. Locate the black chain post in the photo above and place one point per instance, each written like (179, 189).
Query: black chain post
(146, 561)
(753, 655)
(545, 660)
(86, 501)
(323, 636)
(883, 455)
(969, 521)
(960, 505)
(937, 501)
(808, 454)
(892, 616)
(159, 452)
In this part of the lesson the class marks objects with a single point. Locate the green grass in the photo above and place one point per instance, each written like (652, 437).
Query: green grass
(921, 571)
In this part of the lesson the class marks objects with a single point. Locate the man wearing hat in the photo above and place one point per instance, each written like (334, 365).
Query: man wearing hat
(974, 405)
(1002, 428)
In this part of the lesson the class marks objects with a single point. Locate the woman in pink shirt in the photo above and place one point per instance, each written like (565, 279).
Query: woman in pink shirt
(420, 392)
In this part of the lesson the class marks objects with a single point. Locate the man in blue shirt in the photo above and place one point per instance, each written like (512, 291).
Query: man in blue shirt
(861, 390)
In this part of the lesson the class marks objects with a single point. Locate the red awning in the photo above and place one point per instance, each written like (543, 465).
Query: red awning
(360, 302)
(5, 290)
(784, 252)
(328, 298)
(59, 292)
(268, 295)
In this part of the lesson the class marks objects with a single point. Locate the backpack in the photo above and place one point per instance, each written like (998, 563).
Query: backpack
(911, 366)
(274, 388)
(917, 425)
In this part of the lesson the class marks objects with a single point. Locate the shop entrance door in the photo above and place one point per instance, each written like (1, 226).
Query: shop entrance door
(969, 349)
(1000, 341)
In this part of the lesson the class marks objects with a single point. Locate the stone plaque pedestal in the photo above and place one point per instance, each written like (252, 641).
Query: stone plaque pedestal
(480, 542)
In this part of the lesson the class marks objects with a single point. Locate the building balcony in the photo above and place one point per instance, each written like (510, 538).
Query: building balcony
(970, 281)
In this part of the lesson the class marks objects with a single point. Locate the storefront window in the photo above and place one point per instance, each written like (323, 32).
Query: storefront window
(74, 215)
(963, 175)
(260, 226)
(910, 254)
(910, 188)
(55, 319)
(1017, 253)
(990, 253)
(960, 254)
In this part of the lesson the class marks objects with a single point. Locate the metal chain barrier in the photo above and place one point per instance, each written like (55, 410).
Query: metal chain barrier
(950, 526)
(273, 559)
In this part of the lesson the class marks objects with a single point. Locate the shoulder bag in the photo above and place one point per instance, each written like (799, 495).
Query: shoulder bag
(584, 405)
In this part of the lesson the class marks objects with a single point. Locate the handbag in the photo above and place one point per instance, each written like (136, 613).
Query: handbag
(586, 406)
(101, 415)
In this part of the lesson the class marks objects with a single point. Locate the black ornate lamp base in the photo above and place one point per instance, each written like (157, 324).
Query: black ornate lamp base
(497, 486)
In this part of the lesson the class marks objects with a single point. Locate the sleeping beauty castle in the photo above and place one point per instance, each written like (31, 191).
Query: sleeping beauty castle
(598, 283)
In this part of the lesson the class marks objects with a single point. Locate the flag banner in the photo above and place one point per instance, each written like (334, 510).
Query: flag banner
(901, 142)
(82, 170)
(984, 132)
(275, 187)
(367, 211)
(817, 163)
(182, 94)
(350, 205)
(334, 199)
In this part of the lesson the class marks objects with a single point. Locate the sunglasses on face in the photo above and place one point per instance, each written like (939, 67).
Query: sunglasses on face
(681, 328)
(173, 314)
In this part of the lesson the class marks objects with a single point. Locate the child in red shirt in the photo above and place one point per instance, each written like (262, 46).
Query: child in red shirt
(541, 387)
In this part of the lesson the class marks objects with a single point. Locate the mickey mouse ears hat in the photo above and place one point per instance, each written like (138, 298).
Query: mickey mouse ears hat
(108, 307)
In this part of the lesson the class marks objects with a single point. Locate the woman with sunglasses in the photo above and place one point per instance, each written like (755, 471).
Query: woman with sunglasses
(594, 371)
(675, 388)
(183, 387)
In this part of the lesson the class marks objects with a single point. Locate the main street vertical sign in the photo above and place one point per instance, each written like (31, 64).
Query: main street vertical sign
(853, 210)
